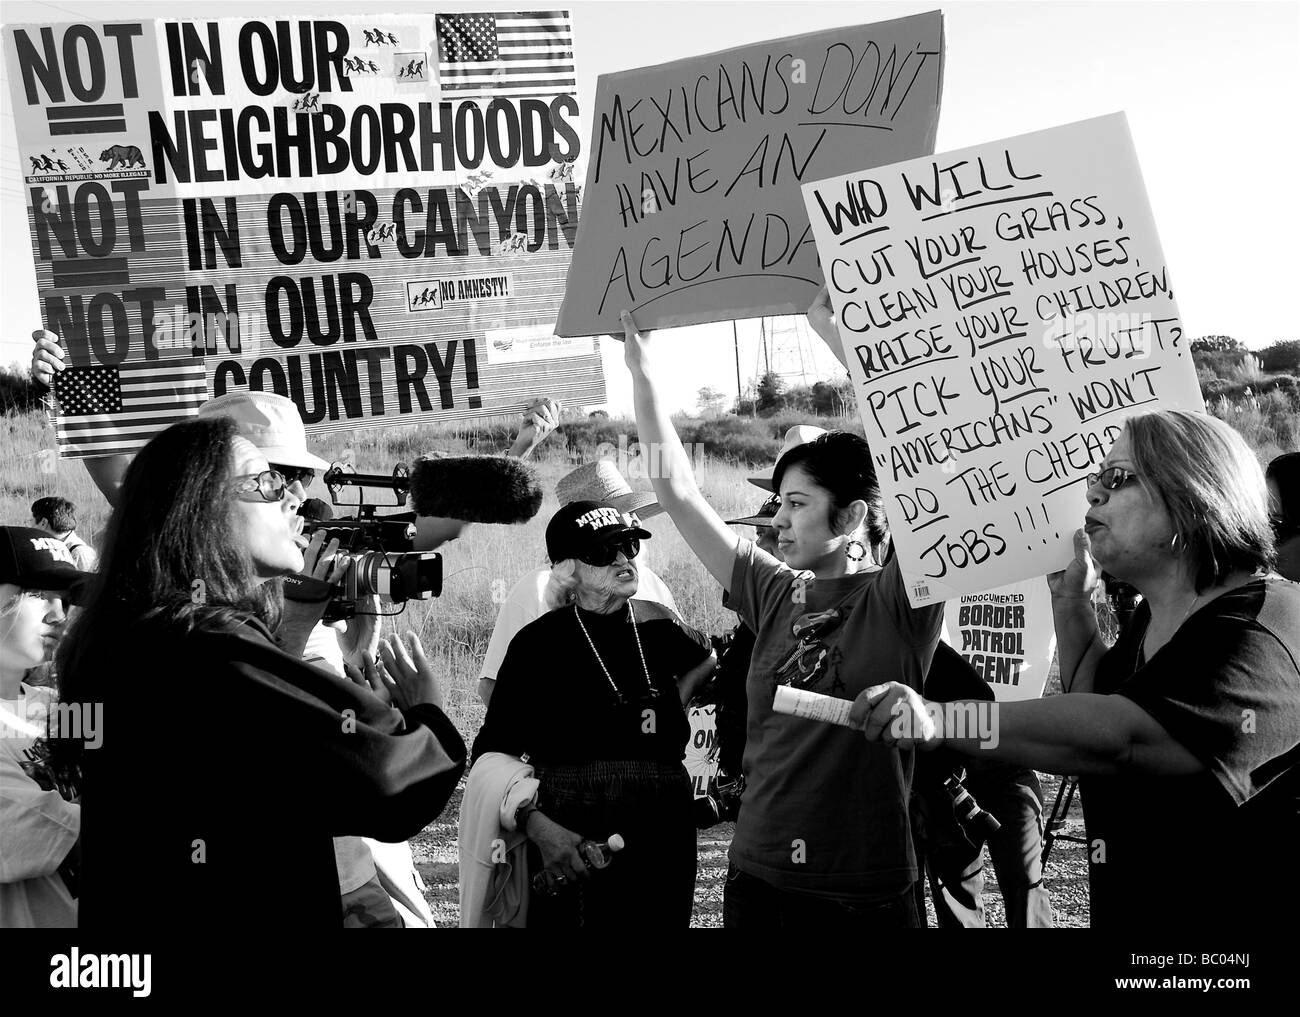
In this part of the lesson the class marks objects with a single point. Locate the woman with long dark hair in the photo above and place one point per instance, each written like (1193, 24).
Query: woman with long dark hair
(227, 765)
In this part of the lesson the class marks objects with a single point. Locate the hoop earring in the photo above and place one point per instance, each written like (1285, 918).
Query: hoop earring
(861, 549)
(1177, 544)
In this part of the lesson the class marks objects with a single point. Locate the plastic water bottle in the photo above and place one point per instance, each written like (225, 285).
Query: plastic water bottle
(599, 853)
(596, 853)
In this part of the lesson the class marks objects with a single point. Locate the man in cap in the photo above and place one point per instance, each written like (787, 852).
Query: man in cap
(598, 481)
(59, 517)
(39, 827)
(798, 435)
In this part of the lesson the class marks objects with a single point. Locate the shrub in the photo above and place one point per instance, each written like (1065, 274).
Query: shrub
(771, 393)
(1219, 362)
(1282, 356)
(18, 393)
(1287, 385)
(1217, 344)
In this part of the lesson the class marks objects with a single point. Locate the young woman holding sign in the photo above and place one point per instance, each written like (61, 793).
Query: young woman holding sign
(823, 836)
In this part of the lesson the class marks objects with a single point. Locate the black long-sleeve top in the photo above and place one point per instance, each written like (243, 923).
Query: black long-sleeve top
(227, 767)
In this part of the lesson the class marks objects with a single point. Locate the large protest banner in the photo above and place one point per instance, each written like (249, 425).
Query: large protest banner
(1007, 635)
(372, 215)
(692, 211)
(1003, 308)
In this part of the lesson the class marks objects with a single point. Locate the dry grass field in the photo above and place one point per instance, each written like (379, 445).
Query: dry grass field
(456, 627)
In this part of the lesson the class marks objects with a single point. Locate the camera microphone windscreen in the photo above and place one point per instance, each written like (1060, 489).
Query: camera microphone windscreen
(315, 510)
(476, 489)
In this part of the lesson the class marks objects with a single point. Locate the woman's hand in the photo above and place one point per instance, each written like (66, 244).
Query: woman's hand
(299, 617)
(1080, 577)
(636, 344)
(561, 857)
(821, 316)
(358, 637)
(410, 677)
(895, 714)
(370, 676)
(540, 418)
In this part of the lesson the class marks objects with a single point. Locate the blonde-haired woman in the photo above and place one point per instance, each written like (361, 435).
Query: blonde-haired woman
(1187, 731)
(592, 695)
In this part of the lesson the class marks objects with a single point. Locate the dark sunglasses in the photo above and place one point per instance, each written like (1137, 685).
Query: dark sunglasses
(607, 554)
(303, 475)
(269, 485)
(1112, 479)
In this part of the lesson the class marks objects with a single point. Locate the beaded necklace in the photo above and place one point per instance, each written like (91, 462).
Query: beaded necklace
(609, 678)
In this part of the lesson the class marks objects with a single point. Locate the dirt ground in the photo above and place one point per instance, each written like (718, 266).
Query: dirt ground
(1066, 876)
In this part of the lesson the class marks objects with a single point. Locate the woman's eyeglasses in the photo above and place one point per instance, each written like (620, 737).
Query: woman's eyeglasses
(1112, 479)
(303, 475)
(607, 554)
(269, 485)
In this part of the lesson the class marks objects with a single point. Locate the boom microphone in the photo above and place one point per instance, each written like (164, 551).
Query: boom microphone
(476, 489)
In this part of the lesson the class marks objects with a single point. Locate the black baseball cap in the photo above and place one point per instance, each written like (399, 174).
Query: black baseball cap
(36, 560)
(581, 526)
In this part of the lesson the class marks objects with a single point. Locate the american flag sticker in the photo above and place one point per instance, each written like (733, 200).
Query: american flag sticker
(524, 54)
(105, 410)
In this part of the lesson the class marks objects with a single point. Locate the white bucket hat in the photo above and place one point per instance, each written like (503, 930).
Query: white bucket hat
(600, 481)
(800, 434)
(269, 421)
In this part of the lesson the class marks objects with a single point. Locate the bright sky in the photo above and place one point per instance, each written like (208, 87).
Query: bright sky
(1209, 89)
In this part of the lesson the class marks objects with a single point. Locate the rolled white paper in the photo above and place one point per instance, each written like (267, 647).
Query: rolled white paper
(812, 705)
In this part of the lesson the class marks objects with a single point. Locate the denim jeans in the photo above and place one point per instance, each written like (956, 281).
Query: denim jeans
(752, 903)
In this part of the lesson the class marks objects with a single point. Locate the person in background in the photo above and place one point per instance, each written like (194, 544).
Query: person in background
(598, 481)
(1283, 479)
(1192, 716)
(39, 824)
(727, 687)
(952, 843)
(799, 434)
(59, 517)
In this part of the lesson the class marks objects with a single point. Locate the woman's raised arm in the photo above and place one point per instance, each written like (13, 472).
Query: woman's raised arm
(674, 484)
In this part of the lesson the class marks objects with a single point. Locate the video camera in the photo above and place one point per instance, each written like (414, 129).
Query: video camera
(378, 550)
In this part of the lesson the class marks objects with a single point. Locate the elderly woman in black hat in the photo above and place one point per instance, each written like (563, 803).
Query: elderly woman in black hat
(605, 730)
